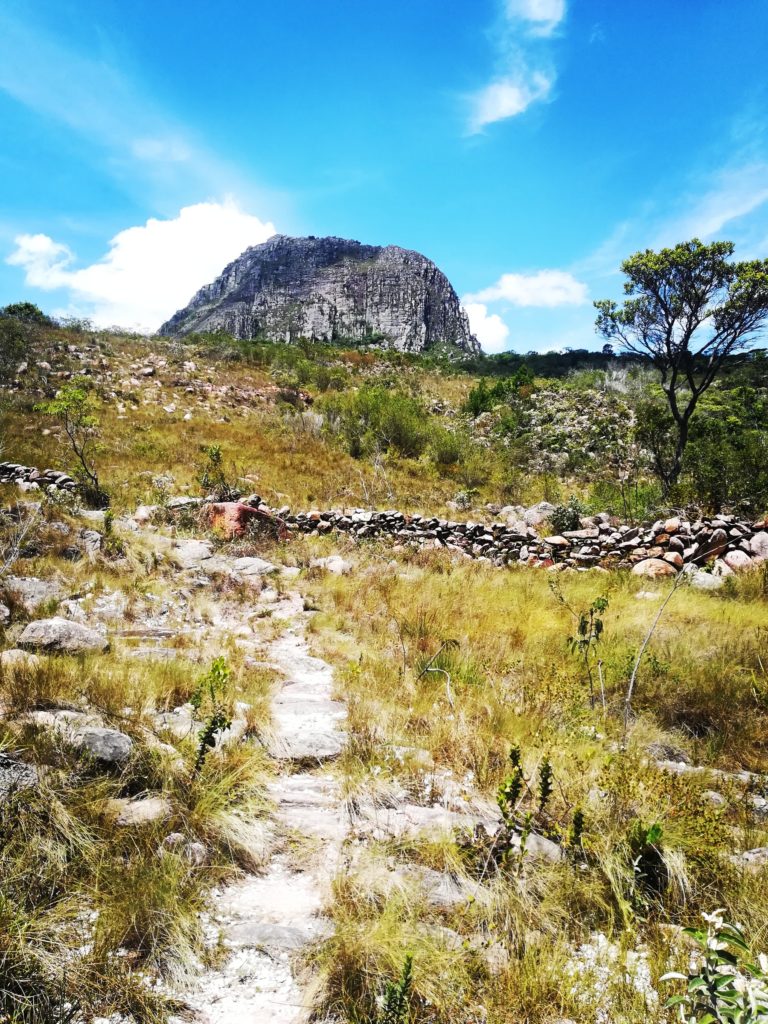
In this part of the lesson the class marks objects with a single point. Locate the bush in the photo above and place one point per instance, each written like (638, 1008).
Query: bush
(567, 517)
(375, 419)
(445, 447)
(483, 398)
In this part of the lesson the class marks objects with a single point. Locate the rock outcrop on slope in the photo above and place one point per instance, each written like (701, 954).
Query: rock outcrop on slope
(330, 289)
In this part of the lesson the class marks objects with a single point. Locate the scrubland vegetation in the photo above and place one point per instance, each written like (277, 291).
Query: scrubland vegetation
(475, 689)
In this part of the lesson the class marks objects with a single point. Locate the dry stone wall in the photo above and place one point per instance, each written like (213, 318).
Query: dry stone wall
(724, 544)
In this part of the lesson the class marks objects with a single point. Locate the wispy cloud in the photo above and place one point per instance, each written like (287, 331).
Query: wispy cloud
(131, 138)
(525, 70)
(508, 97)
(731, 193)
(149, 271)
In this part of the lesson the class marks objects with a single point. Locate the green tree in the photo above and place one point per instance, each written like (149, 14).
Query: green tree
(75, 407)
(28, 313)
(690, 310)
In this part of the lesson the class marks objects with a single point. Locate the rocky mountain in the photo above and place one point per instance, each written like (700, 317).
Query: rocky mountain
(330, 289)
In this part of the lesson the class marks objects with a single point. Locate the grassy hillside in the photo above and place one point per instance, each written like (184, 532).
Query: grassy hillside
(529, 842)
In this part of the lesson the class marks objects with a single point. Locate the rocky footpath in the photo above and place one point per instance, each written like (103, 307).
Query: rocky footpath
(330, 289)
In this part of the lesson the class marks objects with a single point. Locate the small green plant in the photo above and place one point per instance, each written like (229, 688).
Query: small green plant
(727, 986)
(112, 544)
(649, 871)
(395, 1006)
(75, 407)
(212, 475)
(583, 643)
(210, 702)
(509, 797)
(511, 789)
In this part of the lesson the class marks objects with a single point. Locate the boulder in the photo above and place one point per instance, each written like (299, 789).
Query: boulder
(15, 660)
(713, 546)
(231, 518)
(109, 746)
(538, 513)
(333, 563)
(705, 581)
(92, 541)
(137, 811)
(653, 568)
(145, 513)
(30, 592)
(751, 860)
(62, 636)
(250, 566)
(737, 560)
(189, 554)
(758, 545)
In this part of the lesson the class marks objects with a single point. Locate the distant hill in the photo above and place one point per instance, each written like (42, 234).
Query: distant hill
(331, 289)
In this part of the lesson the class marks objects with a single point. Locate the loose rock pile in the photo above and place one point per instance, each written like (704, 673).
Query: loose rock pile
(660, 548)
(14, 473)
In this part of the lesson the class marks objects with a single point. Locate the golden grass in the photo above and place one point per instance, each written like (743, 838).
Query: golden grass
(514, 681)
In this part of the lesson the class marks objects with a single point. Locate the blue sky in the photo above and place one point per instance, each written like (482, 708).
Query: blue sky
(526, 146)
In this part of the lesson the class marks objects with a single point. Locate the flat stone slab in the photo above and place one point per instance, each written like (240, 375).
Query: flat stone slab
(414, 819)
(276, 939)
(307, 744)
(251, 566)
(189, 554)
(305, 718)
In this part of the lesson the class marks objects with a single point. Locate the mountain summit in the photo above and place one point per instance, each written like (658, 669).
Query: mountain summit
(330, 289)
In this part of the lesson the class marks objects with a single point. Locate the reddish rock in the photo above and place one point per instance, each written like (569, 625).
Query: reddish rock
(672, 525)
(674, 558)
(231, 518)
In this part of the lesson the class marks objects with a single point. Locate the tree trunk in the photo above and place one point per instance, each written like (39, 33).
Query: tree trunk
(673, 474)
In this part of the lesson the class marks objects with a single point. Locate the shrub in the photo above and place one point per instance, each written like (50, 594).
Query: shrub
(376, 419)
(445, 447)
(212, 475)
(75, 407)
(567, 517)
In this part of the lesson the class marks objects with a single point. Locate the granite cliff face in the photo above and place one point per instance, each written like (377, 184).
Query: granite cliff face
(330, 289)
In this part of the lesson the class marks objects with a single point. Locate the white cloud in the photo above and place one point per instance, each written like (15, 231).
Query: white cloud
(508, 97)
(490, 329)
(150, 270)
(544, 288)
(545, 15)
